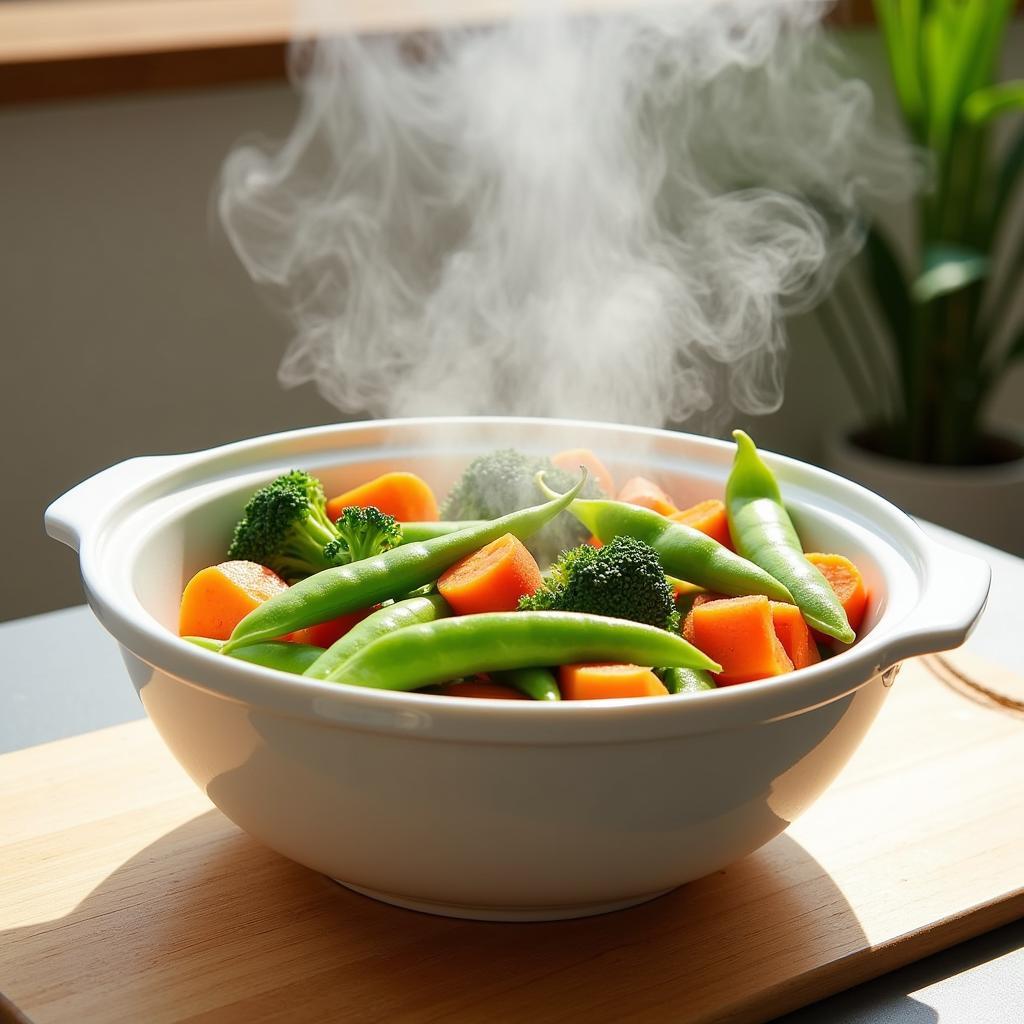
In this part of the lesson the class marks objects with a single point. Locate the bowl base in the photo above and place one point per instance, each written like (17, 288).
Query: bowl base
(471, 913)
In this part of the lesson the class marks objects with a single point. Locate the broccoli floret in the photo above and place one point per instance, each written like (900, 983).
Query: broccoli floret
(624, 579)
(285, 527)
(500, 482)
(363, 532)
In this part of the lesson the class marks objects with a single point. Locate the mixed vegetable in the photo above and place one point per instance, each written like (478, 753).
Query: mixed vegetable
(529, 582)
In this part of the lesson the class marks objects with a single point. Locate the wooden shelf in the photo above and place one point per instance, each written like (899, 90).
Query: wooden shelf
(52, 49)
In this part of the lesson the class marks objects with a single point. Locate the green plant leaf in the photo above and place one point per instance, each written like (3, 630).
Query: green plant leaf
(889, 282)
(948, 268)
(993, 100)
(1016, 349)
(901, 24)
(1009, 171)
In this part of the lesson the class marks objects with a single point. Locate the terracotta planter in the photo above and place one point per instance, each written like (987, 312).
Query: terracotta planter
(984, 502)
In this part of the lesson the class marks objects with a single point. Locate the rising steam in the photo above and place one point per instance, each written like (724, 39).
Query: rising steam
(600, 217)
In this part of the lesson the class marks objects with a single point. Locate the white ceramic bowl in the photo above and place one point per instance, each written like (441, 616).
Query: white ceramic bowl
(493, 809)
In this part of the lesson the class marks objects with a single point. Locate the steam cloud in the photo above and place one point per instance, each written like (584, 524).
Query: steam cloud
(602, 217)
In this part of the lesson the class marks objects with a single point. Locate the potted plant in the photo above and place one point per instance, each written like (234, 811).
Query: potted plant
(925, 367)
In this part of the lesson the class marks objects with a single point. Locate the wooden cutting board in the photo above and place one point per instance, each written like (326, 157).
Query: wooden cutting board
(124, 897)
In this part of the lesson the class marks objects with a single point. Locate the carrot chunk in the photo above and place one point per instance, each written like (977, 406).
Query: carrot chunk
(739, 634)
(794, 634)
(641, 491)
(326, 633)
(479, 688)
(695, 601)
(845, 579)
(402, 495)
(492, 579)
(217, 598)
(601, 681)
(572, 459)
(709, 517)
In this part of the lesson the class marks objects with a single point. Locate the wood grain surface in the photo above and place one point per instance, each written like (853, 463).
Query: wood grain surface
(124, 897)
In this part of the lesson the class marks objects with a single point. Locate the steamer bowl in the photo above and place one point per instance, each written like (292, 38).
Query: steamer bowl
(490, 809)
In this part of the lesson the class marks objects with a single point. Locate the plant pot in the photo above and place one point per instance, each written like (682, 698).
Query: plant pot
(984, 502)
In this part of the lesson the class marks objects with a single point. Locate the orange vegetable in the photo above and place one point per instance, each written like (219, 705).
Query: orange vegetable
(595, 542)
(479, 688)
(709, 517)
(572, 459)
(217, 598)
(402, 495)
(794, 634)
(846, 580)
(326, 633)
(600, 681)
(695, 601)
(641, 491)
(739, 634)
(491, 579)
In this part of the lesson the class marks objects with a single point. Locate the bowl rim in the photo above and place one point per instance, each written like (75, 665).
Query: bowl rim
(142, 481)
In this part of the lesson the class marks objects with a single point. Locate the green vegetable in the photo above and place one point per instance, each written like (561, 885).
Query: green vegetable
(764, 533)
(623, 580)
(362, 533)
(413, 532)
(384, 620)
(393, 574)
(684, 552)
(686, 680)
(285, 527)
(436, 652)
(500, 482)
(535, 683)
(279, 654)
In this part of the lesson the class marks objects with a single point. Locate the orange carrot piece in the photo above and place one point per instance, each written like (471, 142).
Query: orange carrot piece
(738, 633)
(572, 459)
(695, 602)
(641, 491)
(402, 495)
(217, 598)
(326, 633)
(601, 681)
(480, 688)
(491, 579)
(595, 542)
(709, 517)
(845, 579)
(794, 634)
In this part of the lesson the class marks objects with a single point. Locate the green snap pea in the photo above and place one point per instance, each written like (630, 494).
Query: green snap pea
(279, 654)
(409, 612)
(535, 683)
(764, 533)
(413, 533)
(685, 553)
(466, 645)
(686, 680)
(395, 573)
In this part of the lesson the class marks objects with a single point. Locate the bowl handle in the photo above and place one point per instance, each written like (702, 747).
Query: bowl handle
(74, 513)
(955, 592)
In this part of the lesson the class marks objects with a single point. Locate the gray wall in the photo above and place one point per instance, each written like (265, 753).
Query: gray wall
(129, 328)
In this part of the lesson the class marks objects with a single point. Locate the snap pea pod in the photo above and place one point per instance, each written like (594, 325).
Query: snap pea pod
(686, 680)
(384, 620)
(412, 533)
(684, 552)
(395, 573)
(763, 532)
(279, 654)
(535, 683)
(466, 645)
